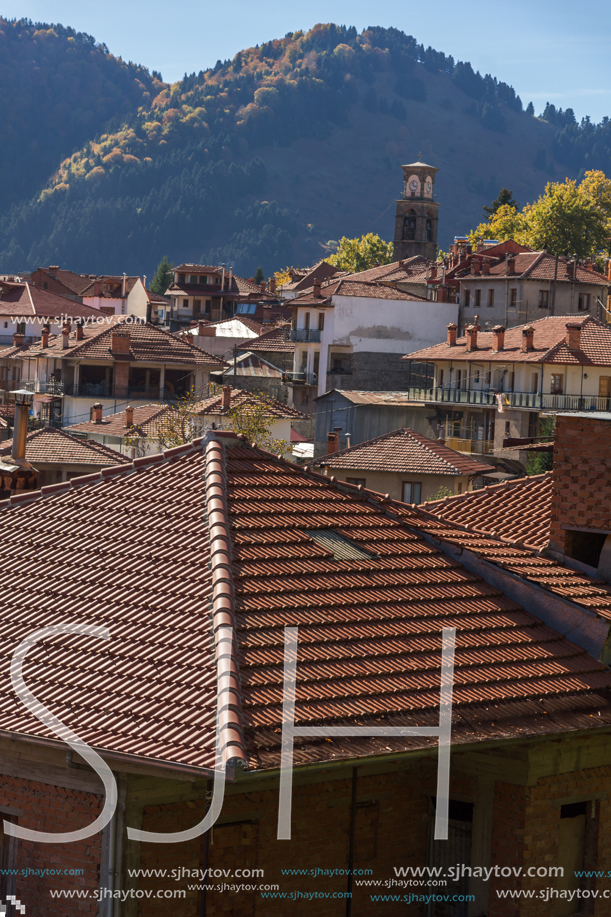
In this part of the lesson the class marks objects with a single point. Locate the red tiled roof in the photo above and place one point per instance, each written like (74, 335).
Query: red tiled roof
(404, 451)
(519, 511)
(148, 343)
(538, 266)
(320, 272)
(111, 286)
(276, 339)
(240, 397)
(25, 300)
(51, 445)
(76, 283)
(549, 344)
(369, 627)
(349, 287)
(145, 418)
(396, 270)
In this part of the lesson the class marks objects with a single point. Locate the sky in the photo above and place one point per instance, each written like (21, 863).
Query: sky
(548, 50)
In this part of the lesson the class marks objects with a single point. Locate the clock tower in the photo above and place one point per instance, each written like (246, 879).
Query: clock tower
(417, 214)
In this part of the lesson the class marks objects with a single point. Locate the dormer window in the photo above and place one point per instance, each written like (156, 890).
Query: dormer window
(193, 278)
(181, 278)
(203, 279)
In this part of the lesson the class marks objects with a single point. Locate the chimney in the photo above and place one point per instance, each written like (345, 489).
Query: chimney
(262, 287)
(528, 339)
(442, 293)
(97, 287)
(97, 412)
(80, 331)
(471, 333)
(204, 330)
(511, 264)
(451, 339)
(486, 266)
(317, 294)
(226, 397)
(433, 271)
(476, 266)
(272, 285)
(44, 336)
(53, 268)
(230, 279)
(573, 335)
(348, 440)
(129, 416)
(124, 286)
(66, 336)
(498, 338)
(189, 337)
(120, 342)
(20, 427)
(18, 339)
(331, 443)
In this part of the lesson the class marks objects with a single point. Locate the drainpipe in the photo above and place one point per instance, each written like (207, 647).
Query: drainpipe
(205, 855)
(351, 842)
(116, 838)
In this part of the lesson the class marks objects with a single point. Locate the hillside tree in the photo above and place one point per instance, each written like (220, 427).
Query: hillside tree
(362, 253)
(164, 275)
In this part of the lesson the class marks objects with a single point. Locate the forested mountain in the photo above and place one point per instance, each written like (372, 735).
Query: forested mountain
(59, 88)
(264, 158)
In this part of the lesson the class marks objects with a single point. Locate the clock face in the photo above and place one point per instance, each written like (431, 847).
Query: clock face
(428, 187)
(413, 185)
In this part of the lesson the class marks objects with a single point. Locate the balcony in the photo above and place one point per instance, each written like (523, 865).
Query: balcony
(302, 378)
(101, 390)
(479, 446)
(306, 335)
(533, 401)
(44, 388)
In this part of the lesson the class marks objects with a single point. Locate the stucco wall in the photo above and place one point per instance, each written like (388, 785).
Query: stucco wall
(390, 326)
(390, 482)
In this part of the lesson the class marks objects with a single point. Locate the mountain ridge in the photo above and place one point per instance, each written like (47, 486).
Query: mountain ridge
(263, 158)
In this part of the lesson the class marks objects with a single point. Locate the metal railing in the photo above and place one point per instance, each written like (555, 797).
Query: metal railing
(101, 390)
(531, 400)
(46, 388)
(306, 335)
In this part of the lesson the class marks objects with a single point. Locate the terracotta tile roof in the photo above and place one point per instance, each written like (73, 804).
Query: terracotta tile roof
(396, 270)
(199, 268)
(111, 286)
(241, 397)
(25, 300)
(538, 266)
(76, 283)
(549, 345)
(369, 627)
(349, 287)
(320, 272)
(592, 594)
(51, 445)
(277, 339)
(404, 451)
(146, 417)
(148, 343)
(249, 364)
(519, 511)
(360, 397)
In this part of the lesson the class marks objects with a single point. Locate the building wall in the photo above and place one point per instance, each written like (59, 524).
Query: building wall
(389, 326)
(581, 494)
(372, 372)
(390, 482)
(45, 807)
(366, 421)
(566, 300)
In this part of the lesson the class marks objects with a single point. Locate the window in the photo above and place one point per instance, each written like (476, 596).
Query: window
(20, 327)
(461, 377)
(197, 306)
(362, 482)
(440, 378)
(181, 278)
(208, 304)
(533, 426)
(412, 492)
(45, 285)
(534, 383)
(304, 361)
(316, 363)
(476, 376)
(246, 308)
(507, 428)
(557, 384)
(192, 279)
(511, 381)
(306, 321)
(584, 302)
(467, 298)
(203, 279)
(321, 321)
(477, 298)
(305, 396)
(409, 226)
(185, 304)
(604, 387)
(543, 299)
(490, 298)
(513, 298)
(429, 228)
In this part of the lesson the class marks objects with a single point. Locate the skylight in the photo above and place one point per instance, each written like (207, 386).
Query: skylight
(338, 545)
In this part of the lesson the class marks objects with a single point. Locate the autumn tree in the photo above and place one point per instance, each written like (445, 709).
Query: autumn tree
(362, 253)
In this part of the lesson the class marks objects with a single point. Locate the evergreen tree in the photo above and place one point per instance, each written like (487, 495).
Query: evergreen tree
(259, 275)
(505, 197)
(164, 275)
(530, 109)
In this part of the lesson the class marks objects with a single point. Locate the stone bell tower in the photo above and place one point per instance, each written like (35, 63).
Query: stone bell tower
(417, 214)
